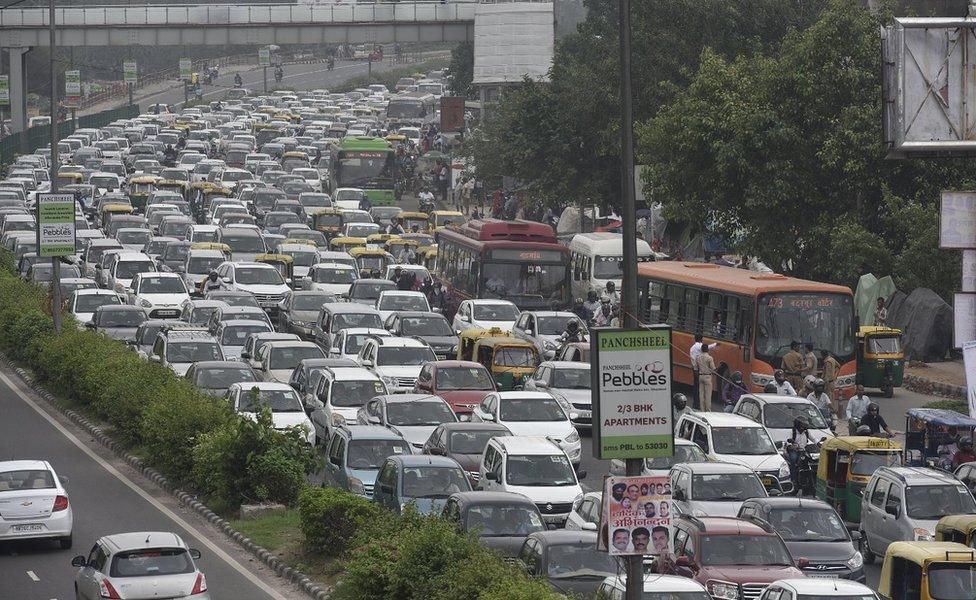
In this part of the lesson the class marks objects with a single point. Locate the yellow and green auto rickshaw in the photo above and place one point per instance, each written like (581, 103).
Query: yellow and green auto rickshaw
(510, 360)
(845, 467)
(927, 571)
(371, 263)
(425, 241)
(174, 185)
(139, 189)
(956, 528)
(345, 244)
(222, 248)
(69, 178)
(328, 221)
(428, 258)
(469, 337)
(439, 219)
(109, 210)
(377, 241)
(202, 193)
(398, 245)
(282, 262)
(411, 219)
(880, 359)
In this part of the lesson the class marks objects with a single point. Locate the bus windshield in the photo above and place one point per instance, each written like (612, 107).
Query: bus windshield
(527, 285)
(360, 168)
(825, 320)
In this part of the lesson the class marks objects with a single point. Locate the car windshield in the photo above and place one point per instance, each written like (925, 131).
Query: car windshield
(334, 275)
(728, 550)
(128, 269)
(531, 409)
(573, 379)
(539, 282)
(236, 335)
(727, 487)
(403, 355)
(495, 312)
(309, 301)
(27, 479)
(201, 315)
(361, 230)
(251, 400)
(472, 442)
(567, 561)
(353, 320)
(369, 455)
(464, 378)
(515, 356)
(608, 267)
(288, 357)
(554, 325)
(781, 415)
(807, 524)
(936, 501)
(315, 200)
(190, 352)
(138, 237)
(429, 326)
(303, 259)
(534, 470)
(952, 580)
(419, 413)
(676, 596)
(151, 562)
(503, 520)
(202, 265)
(742, 440)
(89, 302)
(162, 285)
(243, 243)
(884, 345)
(121, 318)
(433, 482)
(223, 377)
(371, 290)
(259, 276)
(866, 462)
(403, 302)
(240, 299)
(352, 394)
(683, 453)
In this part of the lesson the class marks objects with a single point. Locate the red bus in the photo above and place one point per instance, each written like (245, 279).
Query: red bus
(520, 261)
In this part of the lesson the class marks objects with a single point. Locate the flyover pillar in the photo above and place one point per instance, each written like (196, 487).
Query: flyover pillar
(18, 88)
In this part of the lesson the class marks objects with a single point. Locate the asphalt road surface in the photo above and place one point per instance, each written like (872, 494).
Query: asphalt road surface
(107, 497)
(299, 77)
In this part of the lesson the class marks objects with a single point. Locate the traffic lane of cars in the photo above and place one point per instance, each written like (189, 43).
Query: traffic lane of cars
(102, 504)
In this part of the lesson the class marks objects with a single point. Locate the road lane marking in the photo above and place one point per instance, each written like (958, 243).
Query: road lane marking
(193, 531)
(33, 576)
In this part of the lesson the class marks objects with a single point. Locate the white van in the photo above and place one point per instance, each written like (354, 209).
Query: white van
(597, 258)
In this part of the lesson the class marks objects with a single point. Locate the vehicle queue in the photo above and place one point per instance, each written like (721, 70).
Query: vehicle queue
(441, 362)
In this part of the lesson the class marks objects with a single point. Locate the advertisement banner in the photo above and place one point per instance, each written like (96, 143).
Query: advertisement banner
(969, 358)
(452, 114)
(957, 220)
(631, 391)
(4, 90)
(186, 69)
(55, 225)
(72, 83)
(637, 515)
(963, 318)
(129, 73)
(264, 57)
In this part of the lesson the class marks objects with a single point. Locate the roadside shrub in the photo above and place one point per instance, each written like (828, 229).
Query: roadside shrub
(172, 425)
(331, 517)
(26, 334)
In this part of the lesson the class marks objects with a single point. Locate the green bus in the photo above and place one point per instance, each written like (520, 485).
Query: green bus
(367, 163)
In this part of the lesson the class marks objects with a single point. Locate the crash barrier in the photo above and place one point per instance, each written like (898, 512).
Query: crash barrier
(25, 142)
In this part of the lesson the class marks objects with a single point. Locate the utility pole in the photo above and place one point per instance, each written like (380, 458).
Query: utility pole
(628, 209)
(265, 80)
(55, 114)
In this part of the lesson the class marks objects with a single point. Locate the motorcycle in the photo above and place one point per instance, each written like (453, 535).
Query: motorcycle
(805, 471)
(331, 64)
(238, 82)
(279, 75)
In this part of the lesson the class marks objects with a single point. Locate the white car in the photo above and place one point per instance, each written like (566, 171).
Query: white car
(34, 503)
(162, 295)
(144, 564)
(277, 360)
(544, 328)
(713, 489)
(569, 383)
(486, 314)
(311, 177)
(350, 341)
(397, 361)
(658, 587)
(811, 587)
(531, 413)
(777, 413)
(394, 301)
(586, 513)
(127, 265)
(348, 198)
(283, 402)
(260, 279)
(82, 303)
(338, 396)
(331, 278)
(412, 416)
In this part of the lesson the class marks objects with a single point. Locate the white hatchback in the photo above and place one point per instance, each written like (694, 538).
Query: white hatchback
(34, 503)
(486, 314)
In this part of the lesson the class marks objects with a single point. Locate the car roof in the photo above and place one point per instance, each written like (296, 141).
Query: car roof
(550, 313)
(354, 374)
(349, 307)
(490, 301)
(448, 364)
(526, 444)
(400, 342)
(369, 432)
(731, 526)
(565, 537)
(565, 364)
(779, 398)
(120, 308)
(236, 322)
(919, 476)
(407, 398)
(702, 468)
(424, 460)
(94, 292)
(213, 364)
(722, 419)
(262, 385)
(790, 502)
(523, 394)
(142, 539)
(23, 465)
(661, 583)
(473, 426)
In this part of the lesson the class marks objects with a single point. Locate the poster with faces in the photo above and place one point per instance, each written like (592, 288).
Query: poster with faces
(637, 515)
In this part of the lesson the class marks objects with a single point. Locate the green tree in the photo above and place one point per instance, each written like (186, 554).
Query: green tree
(461, 70)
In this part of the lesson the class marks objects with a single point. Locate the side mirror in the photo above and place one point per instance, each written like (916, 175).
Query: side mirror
(488, 417)
(589, 526)
(374, 420)
(90, 324)
(195, 554)
(388, 489)
(581, 473)
(335, 460)
(155, 358)
(64, 480)
(226, 279)
(246, 355)
(529, 332)
(780, 445)
(774, 492)
(679, 495)
(367, 363)
(490, 476)
(894, 511)
(542, 384)
(435, 450)
(79, 561)
(856, 536)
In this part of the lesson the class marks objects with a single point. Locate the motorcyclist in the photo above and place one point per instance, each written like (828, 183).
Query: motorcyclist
(592, 303)
(874, 421)
(169, 155)
(799, 438)
(279, 74)
(679, 405)
(821, 400)
(611, 292)
(212, 282)
(857, 407)
(580, 310)
(395, 227)
(331, 63)
(783, 387)
(238, 81)
(573, 333)
(426, 198)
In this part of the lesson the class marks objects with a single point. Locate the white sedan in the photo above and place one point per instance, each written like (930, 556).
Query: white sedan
(34, 503)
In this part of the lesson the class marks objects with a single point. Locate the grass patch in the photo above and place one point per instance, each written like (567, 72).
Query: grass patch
(280, 533)
(389, 78)
(961, 406)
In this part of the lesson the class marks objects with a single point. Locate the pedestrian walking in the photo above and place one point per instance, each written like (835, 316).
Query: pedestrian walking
(706, 371)
(881, 313)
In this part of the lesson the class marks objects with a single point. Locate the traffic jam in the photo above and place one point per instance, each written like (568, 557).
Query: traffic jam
(286, 252)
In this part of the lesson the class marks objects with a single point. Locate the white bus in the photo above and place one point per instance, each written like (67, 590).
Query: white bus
(597, 258)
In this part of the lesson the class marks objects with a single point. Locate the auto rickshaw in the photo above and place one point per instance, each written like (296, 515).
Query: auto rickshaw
(425, 241)
(282, 262)
(371, 263)
(222, 248)
(927, 571)
(105, 215)
(880, 359)
(345, 244)
(397, 246)
(510, 360)
(439, 219)
(65, 178)
(469, 337)
(956, 528)
(328, 221)
(139, 189)
(377, 241)
(928, 428)
(201, 193)
(845, 467)
(409, 219)
(428, 258)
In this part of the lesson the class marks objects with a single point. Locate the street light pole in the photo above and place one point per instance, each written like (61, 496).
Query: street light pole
(55, 261)
(628, 213)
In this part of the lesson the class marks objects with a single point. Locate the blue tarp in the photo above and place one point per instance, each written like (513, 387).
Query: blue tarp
(942, 417)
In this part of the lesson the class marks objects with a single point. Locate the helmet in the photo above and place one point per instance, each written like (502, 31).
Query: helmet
(818, 384)
(737, 377)
(863, 430)
(679, 400)
(779, 375)
(770, 388)
(799, 424)
(572, 325)
(591, 295)
(611, 286)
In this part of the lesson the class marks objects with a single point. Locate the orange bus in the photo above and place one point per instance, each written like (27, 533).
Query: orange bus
(753, 316)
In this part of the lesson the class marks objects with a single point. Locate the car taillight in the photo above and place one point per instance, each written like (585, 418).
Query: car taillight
(60, 503)
(200, 586)
(107, 591)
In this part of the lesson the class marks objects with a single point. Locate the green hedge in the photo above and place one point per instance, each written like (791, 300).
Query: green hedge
(330, 518)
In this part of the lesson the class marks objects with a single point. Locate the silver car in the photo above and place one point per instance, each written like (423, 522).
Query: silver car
(140, 565)
(569, 383)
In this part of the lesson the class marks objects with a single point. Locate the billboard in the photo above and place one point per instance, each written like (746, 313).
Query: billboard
(452, 114)
(637, 515)
(55, 225)
(129, 72)
(264, 57)
(513, 40)
(186, 69)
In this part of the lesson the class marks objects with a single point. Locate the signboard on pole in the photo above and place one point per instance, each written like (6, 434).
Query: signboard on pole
(636, 515)
(186, 69)
(631, 389)
(963, 318)
(452, 114)
(129, 73)
(55, 225)
(72, 88)
(4, 90)
(264, 57)
(969, 359)
(957, 220)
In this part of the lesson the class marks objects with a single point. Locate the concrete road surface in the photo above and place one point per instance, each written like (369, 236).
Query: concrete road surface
(107, 497)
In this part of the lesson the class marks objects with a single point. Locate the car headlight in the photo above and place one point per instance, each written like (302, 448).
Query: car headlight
(454, 349)
(856, 561)
(573, 437)
(721, 589)
(356, 486)
(784, 470)
(922, 534)
(338, 420)
(563, 402)
(761, 380)
(145, 303)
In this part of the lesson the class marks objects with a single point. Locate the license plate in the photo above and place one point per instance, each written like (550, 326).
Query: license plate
(168, 313)
(822, 575)
(585, 414)
(268, 303)
(27, 528)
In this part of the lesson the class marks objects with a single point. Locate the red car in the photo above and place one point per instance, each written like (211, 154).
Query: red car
(461, 383)
(735, 559)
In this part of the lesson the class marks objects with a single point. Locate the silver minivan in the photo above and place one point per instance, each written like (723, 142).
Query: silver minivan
(905, 503)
